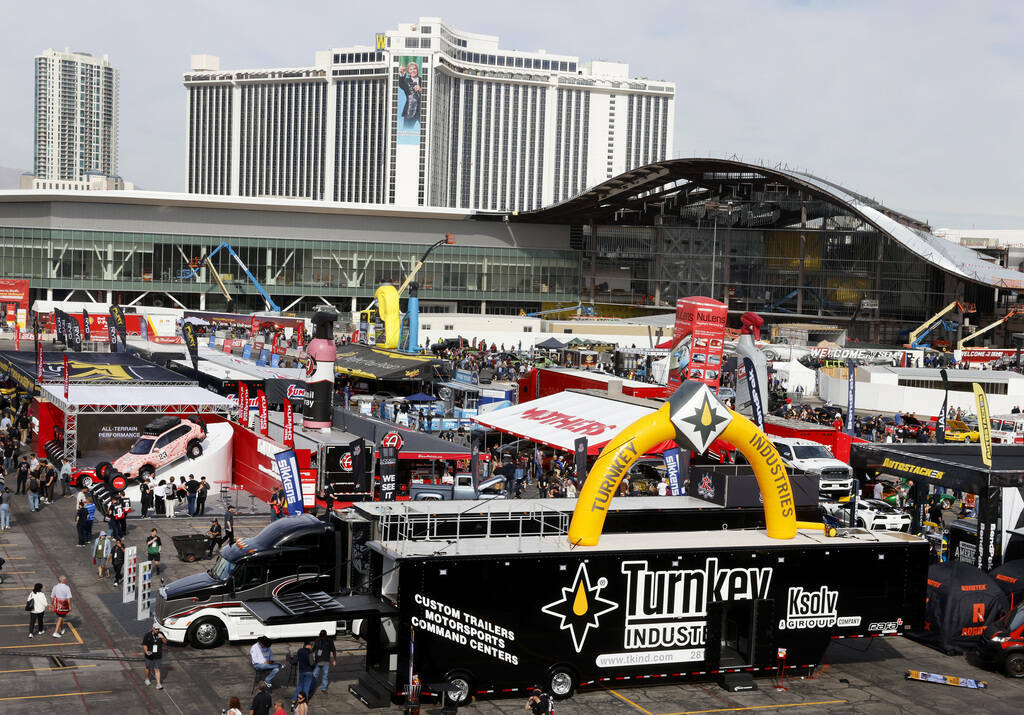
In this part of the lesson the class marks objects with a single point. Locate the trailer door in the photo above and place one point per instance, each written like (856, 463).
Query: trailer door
(738, 633)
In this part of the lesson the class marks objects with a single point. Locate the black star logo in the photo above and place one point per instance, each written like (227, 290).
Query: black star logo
(580, 606)
(705, 420)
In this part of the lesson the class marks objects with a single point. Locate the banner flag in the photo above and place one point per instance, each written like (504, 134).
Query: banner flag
(358, 450)
(39, 355)
(984, 425)
(85, 326)
(117, 318)
(851, 395)
(581, 460)
(188, 332)
(261, 402)
(289, 424)
(288, 469)
(940, 424)
(675, 482)
(67, 377)
(754, 386)
(243, 403)
(388, 473)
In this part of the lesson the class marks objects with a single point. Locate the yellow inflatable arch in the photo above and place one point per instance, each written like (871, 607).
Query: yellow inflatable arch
(694, 418)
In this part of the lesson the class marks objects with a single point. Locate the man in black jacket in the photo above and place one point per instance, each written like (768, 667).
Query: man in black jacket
(261, 702)
(304, 681)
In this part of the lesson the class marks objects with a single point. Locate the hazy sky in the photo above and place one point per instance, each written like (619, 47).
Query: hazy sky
(918, 104)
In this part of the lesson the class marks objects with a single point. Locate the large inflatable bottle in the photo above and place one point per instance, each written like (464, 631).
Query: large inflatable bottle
(318, 402)
(749, 357)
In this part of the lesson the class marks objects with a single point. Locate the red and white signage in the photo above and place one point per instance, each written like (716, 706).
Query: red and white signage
(697, 342)
(289, 424)
(243, 403)
(228, 345)
(391, 439)
(261, 402)
(984, 355)
(559, 420)
(253, 327)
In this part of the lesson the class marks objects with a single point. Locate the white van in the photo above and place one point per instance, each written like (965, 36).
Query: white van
(835, 477)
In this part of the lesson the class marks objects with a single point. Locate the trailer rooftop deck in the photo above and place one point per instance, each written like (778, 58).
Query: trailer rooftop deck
(677, 540)
(375, 510)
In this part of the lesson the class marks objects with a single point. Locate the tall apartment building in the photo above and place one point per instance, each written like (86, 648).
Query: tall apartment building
(76, 108)
(429, 115)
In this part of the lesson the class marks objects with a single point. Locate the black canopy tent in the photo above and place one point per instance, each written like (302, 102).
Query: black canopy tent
(551, 344)
(1000, 490)
(370, 363)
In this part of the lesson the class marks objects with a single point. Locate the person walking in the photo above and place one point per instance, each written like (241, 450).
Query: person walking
(48, 475)
(37, 601)
(324, 656)
(117, 560)
(34, 489)
(23, 474)
(5, 508)
(153, 546)
(65, 477)
(201, 494)
(153, 649)
(100, 552)
(262, 659)
(114, 517)
(61, 597)
(301, 707)
(234, 706)
(90, 507)
(304, 680)
(145, 497)
(159, 493)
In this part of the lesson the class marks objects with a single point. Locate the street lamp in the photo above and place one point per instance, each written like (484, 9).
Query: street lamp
(718, 208)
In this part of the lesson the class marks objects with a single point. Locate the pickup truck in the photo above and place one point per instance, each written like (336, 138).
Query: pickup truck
(836, 478)
(493, 488)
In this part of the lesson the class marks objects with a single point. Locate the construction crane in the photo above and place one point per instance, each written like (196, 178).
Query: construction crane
(977, 333)
(271, 305)
(933, 322)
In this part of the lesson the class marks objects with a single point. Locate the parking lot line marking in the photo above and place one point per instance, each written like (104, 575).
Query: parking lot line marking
(622, 697)
(78, 640)
(59, 695)
(64, 667)
(755, 707)
(11, 573)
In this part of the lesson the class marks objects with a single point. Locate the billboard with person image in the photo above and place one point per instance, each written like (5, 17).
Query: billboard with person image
(410, 99)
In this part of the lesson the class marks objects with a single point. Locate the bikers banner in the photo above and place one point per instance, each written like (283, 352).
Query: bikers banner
(243, 403)
(940, 424)
(85, 326)
(984, 426)
(388, 473)
(117, 318)
(851, 394)
(288, 470)
(188, 332)
(675, 482)
(261, 403)
(289, 426)
(581, 459)
(754, 387)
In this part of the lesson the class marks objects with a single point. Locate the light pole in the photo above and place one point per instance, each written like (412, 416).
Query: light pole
(719, 208)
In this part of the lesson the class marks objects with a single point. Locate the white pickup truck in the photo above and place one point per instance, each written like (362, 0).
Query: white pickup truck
(834, 477)
(493, 488)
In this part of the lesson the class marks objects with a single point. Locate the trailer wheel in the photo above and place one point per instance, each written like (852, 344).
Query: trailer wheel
(460, 688)
(1013, 666)
(85, 481)
(146, 471)
(194, 450)
(206, 633)
(561, 682)
(947, 504)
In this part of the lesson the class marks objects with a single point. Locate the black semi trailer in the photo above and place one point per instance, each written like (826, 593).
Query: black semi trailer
(502, 614)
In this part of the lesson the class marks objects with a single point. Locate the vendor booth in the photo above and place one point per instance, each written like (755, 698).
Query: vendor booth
(1000, 490)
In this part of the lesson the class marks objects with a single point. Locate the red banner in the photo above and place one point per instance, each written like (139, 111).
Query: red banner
(67, 377)
(17, 338)
(261, 401)
(253, 326)
(289, 427)
(273, 344)
(697, 342)
(243, 403)
(228, 344)
(298, 337)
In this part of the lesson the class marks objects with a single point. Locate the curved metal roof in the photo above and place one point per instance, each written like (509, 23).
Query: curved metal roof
(633, 188)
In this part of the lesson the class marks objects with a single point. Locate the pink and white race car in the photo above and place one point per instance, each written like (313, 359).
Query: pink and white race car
(163, 441)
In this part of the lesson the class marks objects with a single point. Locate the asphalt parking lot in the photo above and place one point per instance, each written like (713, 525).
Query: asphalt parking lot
(97, 666)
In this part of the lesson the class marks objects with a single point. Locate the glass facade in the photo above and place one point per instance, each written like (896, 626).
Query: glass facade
(288, 268)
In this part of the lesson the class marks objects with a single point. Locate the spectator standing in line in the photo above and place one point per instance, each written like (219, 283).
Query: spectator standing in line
(61, 597)
(261, 702)
(263, 660)
(34, 487)
(192, 489)
(5, 508)
(35, 617)
(90, 507)
(201, 494)
(145, 497)
(117, 560)
(229, 526)
(153, 648)
(153, 545)
(100, 552)
(81, 522)
(304, 680)
(325, 655)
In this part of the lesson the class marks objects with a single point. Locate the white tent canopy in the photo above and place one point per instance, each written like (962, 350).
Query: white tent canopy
(559, 420)
(86, 398)
(792, 375)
